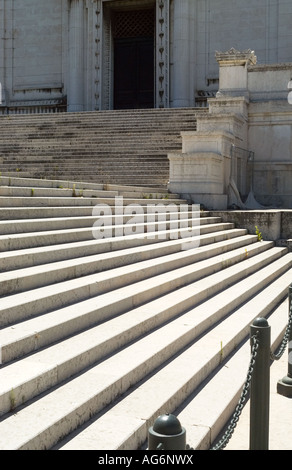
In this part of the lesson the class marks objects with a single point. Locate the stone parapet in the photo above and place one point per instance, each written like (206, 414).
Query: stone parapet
(273, 225)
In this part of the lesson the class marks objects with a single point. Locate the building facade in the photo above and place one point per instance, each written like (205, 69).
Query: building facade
(86, 55)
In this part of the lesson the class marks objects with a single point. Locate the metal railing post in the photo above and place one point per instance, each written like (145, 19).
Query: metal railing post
(260, 387)
(284, 386)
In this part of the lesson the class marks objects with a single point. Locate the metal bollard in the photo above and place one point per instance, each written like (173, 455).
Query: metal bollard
(260, 387)
(167, 434)
(284, 386)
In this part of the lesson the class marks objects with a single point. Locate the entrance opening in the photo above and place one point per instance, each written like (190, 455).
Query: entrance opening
(133, 34)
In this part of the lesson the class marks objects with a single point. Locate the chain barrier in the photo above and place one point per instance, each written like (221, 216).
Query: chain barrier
(227, 436)
(282, 348)
(255, 345)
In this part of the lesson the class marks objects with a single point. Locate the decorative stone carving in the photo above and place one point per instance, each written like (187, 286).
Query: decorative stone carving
(97, 81)
(162, 53)
(235, 57)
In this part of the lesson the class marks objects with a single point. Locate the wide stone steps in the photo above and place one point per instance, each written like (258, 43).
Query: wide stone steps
(34, 277)
(75, 401)
(117, 278)
(49, 224)
(208, 401)
(101, 334)
(81, 192)
(105, 146)
(130, 250)
(86, 119)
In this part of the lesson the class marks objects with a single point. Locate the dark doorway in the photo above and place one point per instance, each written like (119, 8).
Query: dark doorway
(134, 60)
(134, 73)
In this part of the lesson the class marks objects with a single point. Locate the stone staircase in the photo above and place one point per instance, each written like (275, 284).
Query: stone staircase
(100, 335)
(119, 147)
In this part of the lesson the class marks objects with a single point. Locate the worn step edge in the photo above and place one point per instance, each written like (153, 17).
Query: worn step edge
(31, 213)
(23, 191)
(13, 191)
(14, 213)
(18, 201)
(56, 183)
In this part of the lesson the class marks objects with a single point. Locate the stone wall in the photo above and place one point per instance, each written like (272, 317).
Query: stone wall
(274, 225)
(264, 26)
(270, 133)
(32, 53)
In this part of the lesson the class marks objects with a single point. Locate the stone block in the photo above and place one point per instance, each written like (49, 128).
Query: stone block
(207, 141)
(200, 177)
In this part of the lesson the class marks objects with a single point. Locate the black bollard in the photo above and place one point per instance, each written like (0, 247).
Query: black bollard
(284, 386)
(260, 387)
(167, 434)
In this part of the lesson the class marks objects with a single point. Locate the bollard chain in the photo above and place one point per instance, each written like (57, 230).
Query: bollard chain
(255, 345)
(276, 357)
(233, 423)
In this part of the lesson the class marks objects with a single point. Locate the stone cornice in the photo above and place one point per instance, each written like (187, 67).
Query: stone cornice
(272, 67)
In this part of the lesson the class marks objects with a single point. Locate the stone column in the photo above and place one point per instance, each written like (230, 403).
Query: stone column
(183, 53)
(76, 56)
(6, 51)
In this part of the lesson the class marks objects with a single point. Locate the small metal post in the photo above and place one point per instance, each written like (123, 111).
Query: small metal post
(167, 434)
(260, 387)
(284, 386)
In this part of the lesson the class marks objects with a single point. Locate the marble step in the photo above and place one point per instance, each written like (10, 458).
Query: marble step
(34, 201)
(37, 212)
(13, 191)
(60, 184)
